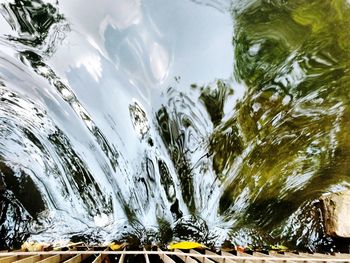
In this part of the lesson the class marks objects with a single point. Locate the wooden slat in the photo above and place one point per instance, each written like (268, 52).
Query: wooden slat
(52, 259)
(287, 255)
(219, 260)
(346, 257)
(327, 258)
(101, 257)
(8, 259)
(77, 258)
(55, 259)
(227, 254)
(323, 255)
(341, 255)
(281, 257)
(292, 255)
(241, 254)
(184, 257)
(165, 258)
(146, 256)
(31, 259)
(122, 257)
(202, 259)
(210, 253)
(259, 254)
(308, 257)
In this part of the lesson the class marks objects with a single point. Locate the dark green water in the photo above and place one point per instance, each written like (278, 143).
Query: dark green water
(173, 120)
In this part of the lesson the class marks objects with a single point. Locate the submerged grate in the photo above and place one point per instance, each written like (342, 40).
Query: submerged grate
(157, 255)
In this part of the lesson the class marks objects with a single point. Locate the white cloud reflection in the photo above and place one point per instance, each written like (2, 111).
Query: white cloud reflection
(92, 63)
(159, 60)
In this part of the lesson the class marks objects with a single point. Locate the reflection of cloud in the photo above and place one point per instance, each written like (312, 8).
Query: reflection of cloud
(121, 32)
(92, 63)
(124, 14)
(159, 60)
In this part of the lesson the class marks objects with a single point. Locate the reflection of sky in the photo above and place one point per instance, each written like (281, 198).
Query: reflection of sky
(200, 36)
(118, 52)
(152, 41)
(125, 50)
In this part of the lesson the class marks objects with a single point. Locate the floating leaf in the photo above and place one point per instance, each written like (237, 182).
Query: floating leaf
(113, 246)
(34, 246)
(186, 245)
(279, 248)
(240, 249)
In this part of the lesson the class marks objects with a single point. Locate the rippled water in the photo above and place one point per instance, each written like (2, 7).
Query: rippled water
(166, 120)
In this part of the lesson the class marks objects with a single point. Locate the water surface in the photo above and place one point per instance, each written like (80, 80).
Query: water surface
(172, 120)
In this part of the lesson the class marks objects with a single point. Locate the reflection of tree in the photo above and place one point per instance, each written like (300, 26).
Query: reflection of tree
(290, 129)
(173, 135)
(37, 24)
(13, 216)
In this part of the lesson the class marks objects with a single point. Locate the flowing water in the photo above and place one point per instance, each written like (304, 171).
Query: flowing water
(160, 120)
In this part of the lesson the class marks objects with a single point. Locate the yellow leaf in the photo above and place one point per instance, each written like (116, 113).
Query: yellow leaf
(114, 246)
(33, 246)
(279, 247)
(186, 245)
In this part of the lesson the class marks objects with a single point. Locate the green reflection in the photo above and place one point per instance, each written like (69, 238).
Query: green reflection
(290, 129)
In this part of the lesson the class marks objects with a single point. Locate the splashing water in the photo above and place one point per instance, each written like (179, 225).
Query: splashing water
(162, 120)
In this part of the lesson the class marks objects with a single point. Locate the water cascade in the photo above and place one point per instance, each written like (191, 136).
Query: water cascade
(155, 121)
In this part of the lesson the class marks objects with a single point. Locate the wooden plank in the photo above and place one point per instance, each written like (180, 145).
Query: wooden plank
(285, 257)
(55, 259)
(292, 255)
(146, 256)
(184, 257)
(31, 259)
(327, 258)
(259, 254)
(308, 257)
(77, 258)
(341, 255)
(228, 254)
(52, 259)
(9, 259)
(276, 254)
(201, 259)
(122, 257)
(219, 260)
(165, 258)
(241, 254)
(323, 255)
(101, 257)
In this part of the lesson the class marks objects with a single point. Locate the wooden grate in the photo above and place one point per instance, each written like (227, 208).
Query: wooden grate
(157, 255)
